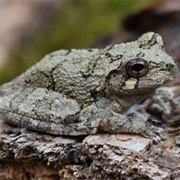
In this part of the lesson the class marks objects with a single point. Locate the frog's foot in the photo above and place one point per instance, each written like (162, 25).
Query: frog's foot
(126, 124)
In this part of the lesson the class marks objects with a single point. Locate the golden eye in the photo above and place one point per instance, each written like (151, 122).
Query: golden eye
(137, 68)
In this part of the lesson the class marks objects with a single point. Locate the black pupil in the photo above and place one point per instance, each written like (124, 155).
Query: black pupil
(137, 67)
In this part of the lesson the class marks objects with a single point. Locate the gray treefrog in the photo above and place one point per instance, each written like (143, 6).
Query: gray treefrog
(79, 92)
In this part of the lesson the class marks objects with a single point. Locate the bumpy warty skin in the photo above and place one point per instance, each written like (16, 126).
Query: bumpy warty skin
(78, 92)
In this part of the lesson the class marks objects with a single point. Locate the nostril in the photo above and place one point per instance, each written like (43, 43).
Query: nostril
(169, 66)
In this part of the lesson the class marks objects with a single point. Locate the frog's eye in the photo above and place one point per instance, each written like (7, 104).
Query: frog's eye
(137, 68)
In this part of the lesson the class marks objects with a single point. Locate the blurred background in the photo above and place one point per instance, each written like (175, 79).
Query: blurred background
(30, 29)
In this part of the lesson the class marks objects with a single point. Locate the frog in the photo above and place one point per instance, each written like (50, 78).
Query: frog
(79, 92)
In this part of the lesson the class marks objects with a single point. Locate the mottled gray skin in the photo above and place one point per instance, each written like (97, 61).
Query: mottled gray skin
(78, 92)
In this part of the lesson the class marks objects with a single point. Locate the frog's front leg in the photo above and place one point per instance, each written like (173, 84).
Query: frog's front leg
(100, 117)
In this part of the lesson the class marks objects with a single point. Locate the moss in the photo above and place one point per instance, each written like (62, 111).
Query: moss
(76, 24)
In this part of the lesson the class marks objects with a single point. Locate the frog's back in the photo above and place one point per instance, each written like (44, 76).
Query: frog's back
(69, 72)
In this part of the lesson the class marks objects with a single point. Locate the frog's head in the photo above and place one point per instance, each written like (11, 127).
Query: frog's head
(142, 67)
